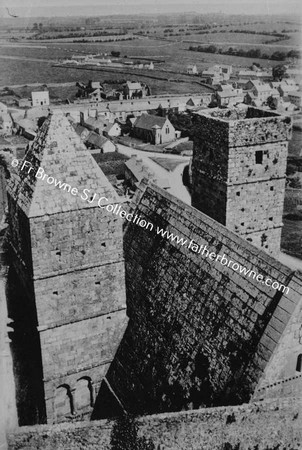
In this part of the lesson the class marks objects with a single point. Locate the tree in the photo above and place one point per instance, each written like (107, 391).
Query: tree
(291, 169)
(272, 102)
(295, 183)
(279, 72)
(41, 120)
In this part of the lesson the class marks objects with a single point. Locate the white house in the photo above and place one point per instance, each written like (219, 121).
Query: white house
(3, 108)
(192, 69)
(295, 98)
(6, 124)
(40, 98)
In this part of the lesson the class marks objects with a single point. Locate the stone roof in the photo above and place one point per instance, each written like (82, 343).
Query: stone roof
(58, 150)
(147, 122)
(182, 304)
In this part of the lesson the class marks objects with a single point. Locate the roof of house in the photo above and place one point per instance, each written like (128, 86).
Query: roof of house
(96, 139)
(295, 94)
(16, 139)
(229, 93)
(147, 122)
(27, 124)
(5, 117)
(79, 129)
(3, 106)
(133, 85)
(261, 87)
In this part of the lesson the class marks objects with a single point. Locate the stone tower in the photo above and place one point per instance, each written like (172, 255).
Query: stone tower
(67, 252)
(238, 171)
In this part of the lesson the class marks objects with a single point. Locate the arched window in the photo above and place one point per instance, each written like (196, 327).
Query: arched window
(167, 130)
(299, 363)
(63, 402)
(83, 393)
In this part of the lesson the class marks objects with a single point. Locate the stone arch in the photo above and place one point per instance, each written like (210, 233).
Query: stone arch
(83, 393)
(63, 401)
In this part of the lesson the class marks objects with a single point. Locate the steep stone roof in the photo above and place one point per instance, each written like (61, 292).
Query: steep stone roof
(58, 150)
(204, 331)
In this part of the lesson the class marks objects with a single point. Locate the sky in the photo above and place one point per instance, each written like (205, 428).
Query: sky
(35, 8)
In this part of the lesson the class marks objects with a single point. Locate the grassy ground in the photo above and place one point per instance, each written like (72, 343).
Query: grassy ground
(291, 239)
(295, 144)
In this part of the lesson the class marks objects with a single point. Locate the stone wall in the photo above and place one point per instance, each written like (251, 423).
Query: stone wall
(239, 164)
(274, 425)
(284, 363)
(286, 387)
(199, 333)
(68, 253)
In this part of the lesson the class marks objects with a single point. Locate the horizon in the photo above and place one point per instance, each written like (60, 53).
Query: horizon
(54, 8)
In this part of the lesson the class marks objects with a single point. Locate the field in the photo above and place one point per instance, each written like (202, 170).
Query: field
(291, 239)
(175, 55)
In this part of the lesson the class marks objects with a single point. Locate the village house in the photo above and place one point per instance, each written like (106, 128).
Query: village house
(226, 95)
(154, 129)
(101, 125)
(40, 98)
(3, 108)
(136, 170)
(6, 124)
(96, 95)
(286, 88)
(260, 90)
(134, 89)
(295, 98)
(96, 142)
(24, 103)
(26, 127)
(16, 144)
(192, 69)
(218, 73)
(81, 131)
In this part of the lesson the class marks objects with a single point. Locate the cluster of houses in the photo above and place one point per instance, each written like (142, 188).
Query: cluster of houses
(282, 95)
(95, 91)
(95, 60)
(100, 115)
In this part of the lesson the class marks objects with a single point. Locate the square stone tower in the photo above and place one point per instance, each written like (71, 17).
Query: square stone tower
(67, 252)
(238, 171)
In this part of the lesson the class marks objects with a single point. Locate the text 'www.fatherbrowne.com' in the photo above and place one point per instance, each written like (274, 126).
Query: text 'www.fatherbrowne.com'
(222, 259)
(117, 210)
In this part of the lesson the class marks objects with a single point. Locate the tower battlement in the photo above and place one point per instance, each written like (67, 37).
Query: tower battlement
(239, 171)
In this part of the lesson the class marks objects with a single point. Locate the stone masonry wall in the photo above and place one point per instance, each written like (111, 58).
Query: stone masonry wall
(284, 362)
(69, 255)
(199, 333)
(273, 425)
(245, 153)
(78, 265)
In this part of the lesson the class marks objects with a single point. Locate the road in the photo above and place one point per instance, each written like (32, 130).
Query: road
(179, 190)
(242, 43)
(175, 178)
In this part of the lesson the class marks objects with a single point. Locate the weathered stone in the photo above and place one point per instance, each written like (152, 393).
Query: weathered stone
(238, 169)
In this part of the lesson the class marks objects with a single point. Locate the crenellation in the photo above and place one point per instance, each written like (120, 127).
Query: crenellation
(238, 170)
